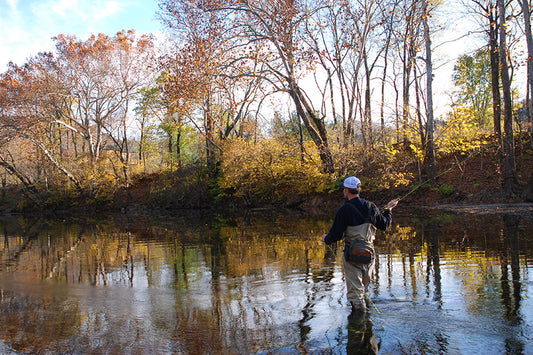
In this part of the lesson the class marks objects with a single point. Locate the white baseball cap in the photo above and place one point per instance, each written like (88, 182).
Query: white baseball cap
(351, 182)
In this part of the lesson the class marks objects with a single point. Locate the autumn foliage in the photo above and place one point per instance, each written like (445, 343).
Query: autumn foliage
(250, 101)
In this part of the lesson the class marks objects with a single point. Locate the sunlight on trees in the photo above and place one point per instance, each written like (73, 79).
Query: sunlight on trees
(270, 170)
(252, 98)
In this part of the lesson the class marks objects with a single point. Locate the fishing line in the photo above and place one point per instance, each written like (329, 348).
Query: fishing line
(445, 171)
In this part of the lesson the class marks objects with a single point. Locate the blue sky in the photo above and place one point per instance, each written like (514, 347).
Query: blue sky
(27, 26)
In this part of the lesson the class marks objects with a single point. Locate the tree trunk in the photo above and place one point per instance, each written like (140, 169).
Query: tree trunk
(141, 142)
(382, 105)
(178, 146)
(409, 55)
(397, 111)
(126, 156)
(529, 39)
(310, 121)
(405, 96)
(429, 160)
(495, 72)
(422, 131)
(367, 122)
(210, 152)
(510, 182)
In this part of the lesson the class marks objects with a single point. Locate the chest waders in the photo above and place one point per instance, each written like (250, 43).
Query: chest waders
(359, 261)
(359, 241)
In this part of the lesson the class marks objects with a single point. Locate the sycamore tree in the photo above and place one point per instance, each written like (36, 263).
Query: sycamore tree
(262, 40)
(100, 80)
(206, 84)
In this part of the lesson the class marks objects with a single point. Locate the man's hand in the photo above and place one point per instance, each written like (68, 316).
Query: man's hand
(391, 204)
(324, 237)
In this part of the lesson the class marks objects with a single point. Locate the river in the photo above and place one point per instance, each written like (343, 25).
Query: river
(262, 283)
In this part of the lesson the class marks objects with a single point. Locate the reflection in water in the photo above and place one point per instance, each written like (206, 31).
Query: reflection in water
(261, 284)
(511, 300)
(361, 338)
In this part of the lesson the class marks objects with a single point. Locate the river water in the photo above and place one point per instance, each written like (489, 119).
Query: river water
(263, 283)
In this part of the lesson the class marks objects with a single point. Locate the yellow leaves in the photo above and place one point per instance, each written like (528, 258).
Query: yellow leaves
(460, 133)
(403, 179)
(269, 168)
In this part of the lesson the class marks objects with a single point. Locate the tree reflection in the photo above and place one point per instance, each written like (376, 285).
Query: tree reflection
(510, 256)
(431, 235)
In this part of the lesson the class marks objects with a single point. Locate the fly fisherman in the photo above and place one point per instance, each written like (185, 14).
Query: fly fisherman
(356, 222)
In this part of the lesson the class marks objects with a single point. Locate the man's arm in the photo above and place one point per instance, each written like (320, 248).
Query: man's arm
(381, 220)
(337, 228)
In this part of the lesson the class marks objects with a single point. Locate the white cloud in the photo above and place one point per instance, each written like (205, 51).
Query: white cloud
(110, 9)
(11, 28)
(77, 12)
(12, 4)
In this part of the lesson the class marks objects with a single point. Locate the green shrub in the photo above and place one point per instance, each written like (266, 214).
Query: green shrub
(444, 189)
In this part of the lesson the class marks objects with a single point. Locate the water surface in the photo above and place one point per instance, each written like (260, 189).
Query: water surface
(262, 283)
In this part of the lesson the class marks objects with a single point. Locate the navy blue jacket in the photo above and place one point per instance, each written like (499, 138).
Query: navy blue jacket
(347, 216)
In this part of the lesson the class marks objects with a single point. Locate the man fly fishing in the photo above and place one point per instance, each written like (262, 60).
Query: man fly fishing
(356, 222)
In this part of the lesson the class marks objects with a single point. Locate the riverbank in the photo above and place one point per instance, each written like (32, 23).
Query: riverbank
(467, 185)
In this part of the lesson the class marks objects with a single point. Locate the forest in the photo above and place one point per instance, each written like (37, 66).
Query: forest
(272, 102)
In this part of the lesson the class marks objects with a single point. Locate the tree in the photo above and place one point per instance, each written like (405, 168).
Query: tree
(268, 33)
(410, 43)
(526, 11)
(334, 40)
(74, 104)
(206, 75)
(488, 11)
(27, 115)
(389, 19)
(510, 182)
(99, 79)
(472, 76)
(429, 160)
(345, 38)
(149, 110)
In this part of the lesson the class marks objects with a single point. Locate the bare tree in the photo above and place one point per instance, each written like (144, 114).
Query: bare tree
(99, 78)
(388, 20)
(409, 37)
(27, 115)
(82, 95)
